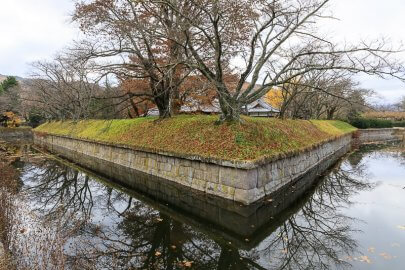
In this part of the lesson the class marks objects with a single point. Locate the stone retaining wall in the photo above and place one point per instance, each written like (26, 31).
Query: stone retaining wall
(15, 133)
(380, 135)
(240, 182)
(231, 220)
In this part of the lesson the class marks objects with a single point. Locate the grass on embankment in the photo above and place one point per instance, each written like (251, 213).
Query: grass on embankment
(200, 135)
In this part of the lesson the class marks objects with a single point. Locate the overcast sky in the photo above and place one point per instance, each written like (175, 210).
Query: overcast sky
(31, 30)
(37, 29)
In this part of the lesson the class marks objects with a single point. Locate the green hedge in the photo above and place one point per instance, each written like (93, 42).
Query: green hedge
(364, 123)
(398, 123)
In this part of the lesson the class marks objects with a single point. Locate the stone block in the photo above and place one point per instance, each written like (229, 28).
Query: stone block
(238, 178)
(170, 160)
(249, 196)
(199, 174)
(211, 174)
(186, 181)
(270, 187)
(220, 190)
(199, 184)
(195, 165)
(185, 162)
(168, 167)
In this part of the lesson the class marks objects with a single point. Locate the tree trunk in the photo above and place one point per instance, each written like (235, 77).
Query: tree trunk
(231, 110)
(163, 105)
(162, 98)
(135, 108)
(331, 113)
(283, 109)
(176, 103)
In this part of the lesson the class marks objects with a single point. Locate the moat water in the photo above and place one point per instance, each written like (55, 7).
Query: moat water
(352, 217)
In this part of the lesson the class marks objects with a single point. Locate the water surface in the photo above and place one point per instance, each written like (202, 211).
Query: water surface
(350, 218)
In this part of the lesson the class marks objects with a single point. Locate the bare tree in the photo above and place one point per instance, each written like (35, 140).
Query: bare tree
(137, 40)
(323, 95)
(401, 104)
(66, 89)
(278, 41)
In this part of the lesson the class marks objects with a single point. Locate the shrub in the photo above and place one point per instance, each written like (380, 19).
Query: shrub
(398, 123)
(364, 123)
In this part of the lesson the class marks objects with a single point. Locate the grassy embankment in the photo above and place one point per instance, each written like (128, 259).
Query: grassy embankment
(255, 139)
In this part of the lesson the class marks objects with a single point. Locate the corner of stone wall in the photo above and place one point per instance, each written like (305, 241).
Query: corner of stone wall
(244, 185)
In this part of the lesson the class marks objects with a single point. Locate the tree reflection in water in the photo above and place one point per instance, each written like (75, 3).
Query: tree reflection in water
(121, 232)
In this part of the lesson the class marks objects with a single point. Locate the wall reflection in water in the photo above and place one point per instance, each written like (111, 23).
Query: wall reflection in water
(114, 227)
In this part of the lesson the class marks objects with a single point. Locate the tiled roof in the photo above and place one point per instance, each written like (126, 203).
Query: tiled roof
(254, 107)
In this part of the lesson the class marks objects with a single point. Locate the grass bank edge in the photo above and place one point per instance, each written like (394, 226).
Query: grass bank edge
(200, 136)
